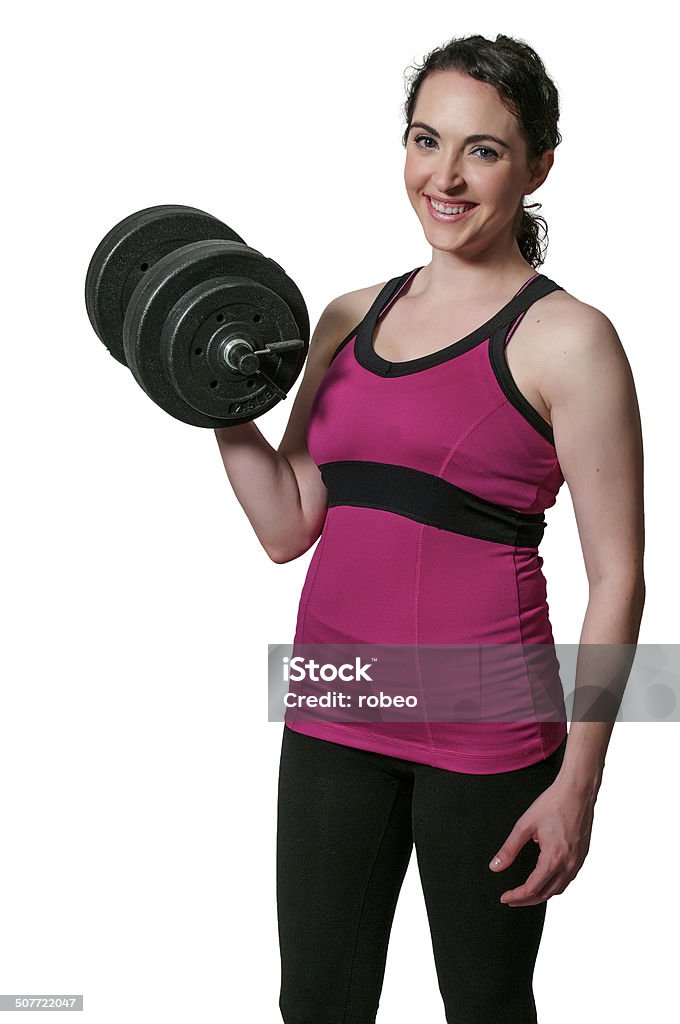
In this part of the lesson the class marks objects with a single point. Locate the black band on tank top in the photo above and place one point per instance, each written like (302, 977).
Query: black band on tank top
(429, 499)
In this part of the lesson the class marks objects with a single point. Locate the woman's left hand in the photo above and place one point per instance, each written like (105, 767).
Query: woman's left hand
(560, 820)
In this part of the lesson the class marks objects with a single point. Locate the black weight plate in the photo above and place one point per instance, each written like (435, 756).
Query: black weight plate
(198, 325)
(127, 253)
(165, 284)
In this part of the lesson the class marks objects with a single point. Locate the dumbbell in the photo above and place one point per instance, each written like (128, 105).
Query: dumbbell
(212, 330)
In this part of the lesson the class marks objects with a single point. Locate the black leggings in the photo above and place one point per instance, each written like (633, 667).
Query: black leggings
(347, 822)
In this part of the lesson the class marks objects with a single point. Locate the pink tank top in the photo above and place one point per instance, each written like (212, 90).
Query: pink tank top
(438, 473)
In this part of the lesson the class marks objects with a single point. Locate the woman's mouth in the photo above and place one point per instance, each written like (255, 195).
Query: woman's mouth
(463, 210)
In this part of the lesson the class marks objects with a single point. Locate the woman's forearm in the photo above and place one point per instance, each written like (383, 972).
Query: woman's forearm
(265, 485)
(607, 648)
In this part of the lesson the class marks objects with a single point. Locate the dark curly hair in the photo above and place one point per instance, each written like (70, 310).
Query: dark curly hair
(517, 73)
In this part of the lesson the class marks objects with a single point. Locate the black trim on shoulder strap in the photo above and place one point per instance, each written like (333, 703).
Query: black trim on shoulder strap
(381, 299)
(501, 369)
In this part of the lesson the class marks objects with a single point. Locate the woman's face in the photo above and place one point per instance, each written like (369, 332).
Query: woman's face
(444, 162)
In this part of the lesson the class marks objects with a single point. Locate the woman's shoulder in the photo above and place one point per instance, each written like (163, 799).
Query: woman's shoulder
(345, 312)
(354, 305)
(566, 337)
(564, 311)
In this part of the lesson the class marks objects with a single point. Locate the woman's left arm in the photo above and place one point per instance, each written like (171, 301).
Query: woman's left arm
(587, 384)
(590, 391)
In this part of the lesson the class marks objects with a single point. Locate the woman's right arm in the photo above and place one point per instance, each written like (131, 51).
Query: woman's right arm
(281, 491)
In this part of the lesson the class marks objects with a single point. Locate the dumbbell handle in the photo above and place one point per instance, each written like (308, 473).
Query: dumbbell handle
(280, 346)
(232, 355)
(230, 346)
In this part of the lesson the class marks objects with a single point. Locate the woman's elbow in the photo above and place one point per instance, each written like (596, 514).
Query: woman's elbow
(281, 557)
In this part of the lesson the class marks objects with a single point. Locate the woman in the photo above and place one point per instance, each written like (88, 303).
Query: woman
(439, 414)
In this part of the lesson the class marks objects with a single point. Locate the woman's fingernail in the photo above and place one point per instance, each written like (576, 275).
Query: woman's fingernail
(495, 862)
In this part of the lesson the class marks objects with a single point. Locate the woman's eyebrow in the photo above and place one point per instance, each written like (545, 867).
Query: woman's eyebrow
(470, 138)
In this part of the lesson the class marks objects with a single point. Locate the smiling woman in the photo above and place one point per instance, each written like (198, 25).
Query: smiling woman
(519, 97)
(440, 414)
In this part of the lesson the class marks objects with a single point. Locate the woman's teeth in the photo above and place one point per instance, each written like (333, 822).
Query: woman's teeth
(450, 209)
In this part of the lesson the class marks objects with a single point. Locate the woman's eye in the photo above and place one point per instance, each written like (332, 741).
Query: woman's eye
(419, 137)
(494, 154)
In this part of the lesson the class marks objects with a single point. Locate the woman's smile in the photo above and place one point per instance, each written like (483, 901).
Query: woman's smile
(438, 215)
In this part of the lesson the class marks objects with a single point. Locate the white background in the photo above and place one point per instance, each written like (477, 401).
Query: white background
(137, 767)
